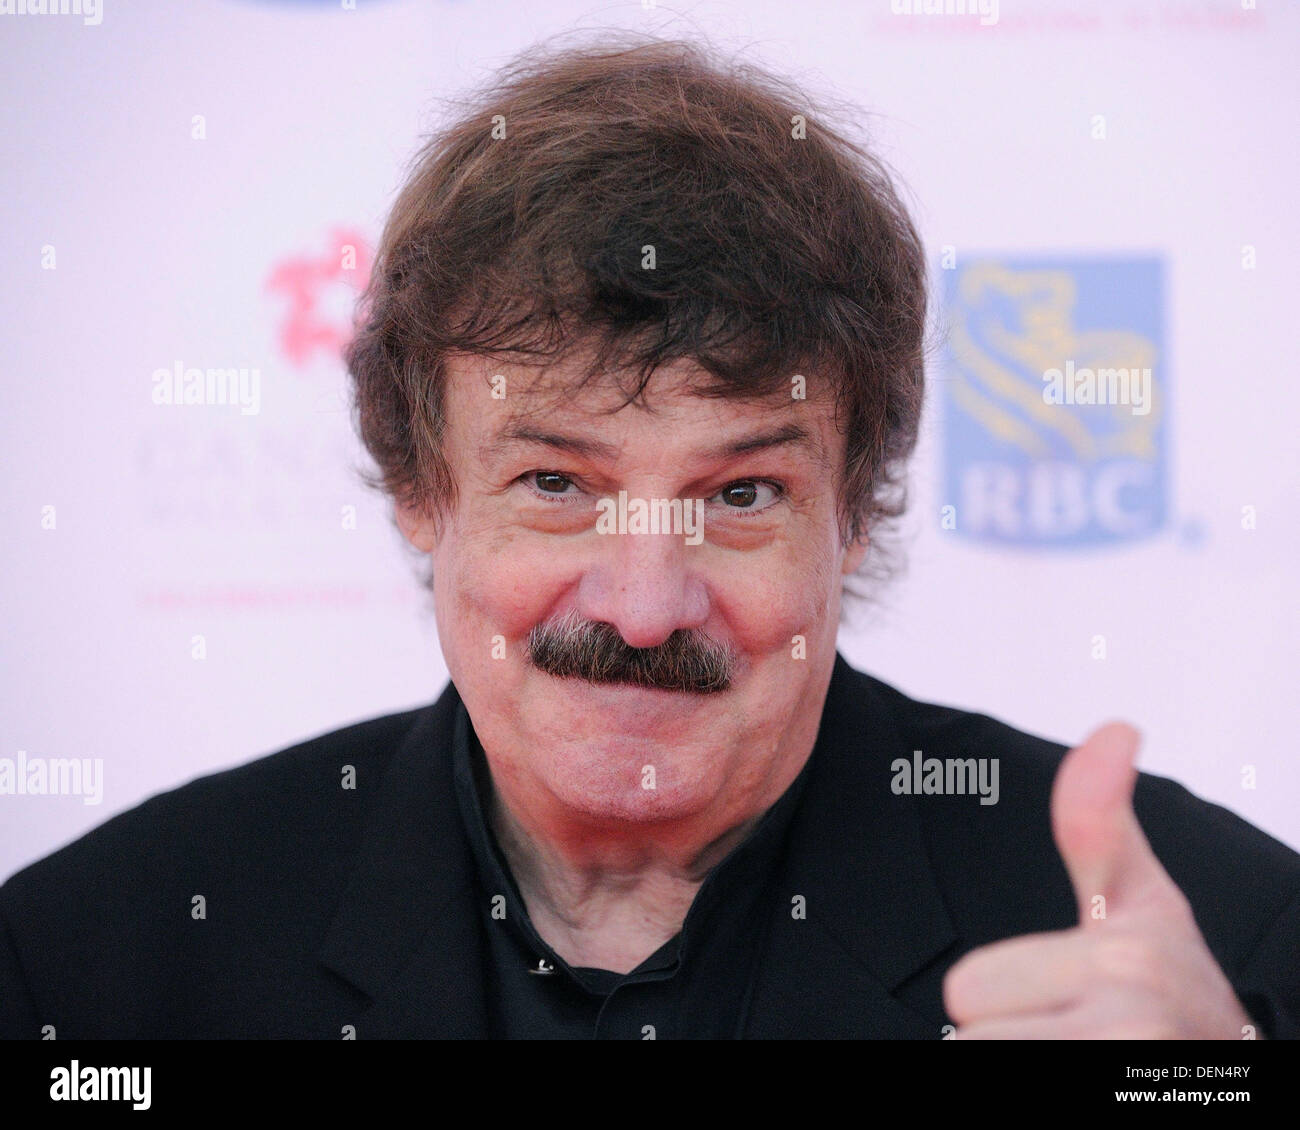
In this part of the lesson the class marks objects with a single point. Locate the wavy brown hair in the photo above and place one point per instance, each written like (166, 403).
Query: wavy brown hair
(520, 232)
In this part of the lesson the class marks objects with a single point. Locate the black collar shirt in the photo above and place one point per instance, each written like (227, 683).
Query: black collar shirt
(695, 986)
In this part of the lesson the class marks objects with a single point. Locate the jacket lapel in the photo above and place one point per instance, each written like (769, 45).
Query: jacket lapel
(405, 933)
(874, 915)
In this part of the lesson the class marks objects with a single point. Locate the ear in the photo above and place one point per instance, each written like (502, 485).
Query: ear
(417, 527)
(854, 553)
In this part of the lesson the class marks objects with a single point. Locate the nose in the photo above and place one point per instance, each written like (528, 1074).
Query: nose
(645, 585)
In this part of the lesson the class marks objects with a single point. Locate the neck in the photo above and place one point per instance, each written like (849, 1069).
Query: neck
(610, 903)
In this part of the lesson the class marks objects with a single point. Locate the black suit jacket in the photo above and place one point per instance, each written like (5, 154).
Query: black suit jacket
(326, 907)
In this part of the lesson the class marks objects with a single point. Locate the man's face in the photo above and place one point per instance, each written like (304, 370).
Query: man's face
(526, 548)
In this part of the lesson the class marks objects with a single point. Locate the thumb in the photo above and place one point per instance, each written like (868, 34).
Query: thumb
(1111, 865)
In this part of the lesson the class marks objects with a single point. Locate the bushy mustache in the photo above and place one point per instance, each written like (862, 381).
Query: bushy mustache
(576, 648)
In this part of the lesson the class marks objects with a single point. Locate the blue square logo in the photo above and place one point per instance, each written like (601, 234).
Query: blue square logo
(1055, 401)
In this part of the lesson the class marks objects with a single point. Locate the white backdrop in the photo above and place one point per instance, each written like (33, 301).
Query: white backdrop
(184, 589)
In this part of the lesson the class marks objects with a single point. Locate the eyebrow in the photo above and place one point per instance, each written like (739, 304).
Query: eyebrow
(786, 435)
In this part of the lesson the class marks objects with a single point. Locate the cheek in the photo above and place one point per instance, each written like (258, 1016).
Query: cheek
(494, 582)
(770, 598)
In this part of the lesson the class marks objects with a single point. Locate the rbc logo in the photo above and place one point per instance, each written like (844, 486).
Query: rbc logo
(1055, 400)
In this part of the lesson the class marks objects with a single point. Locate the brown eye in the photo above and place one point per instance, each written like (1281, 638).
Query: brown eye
(551, 482)
(748, 495)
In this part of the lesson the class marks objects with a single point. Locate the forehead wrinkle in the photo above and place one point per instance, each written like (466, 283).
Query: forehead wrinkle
(516, 433)
(787, 435)
(527, 426)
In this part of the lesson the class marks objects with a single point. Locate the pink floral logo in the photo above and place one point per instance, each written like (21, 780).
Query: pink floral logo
(320, 292)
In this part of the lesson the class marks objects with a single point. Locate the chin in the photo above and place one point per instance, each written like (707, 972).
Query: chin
(616, 794)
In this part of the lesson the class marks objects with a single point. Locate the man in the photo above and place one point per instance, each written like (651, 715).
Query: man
(640, 365)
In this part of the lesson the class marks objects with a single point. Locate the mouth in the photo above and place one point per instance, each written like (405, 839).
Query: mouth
(650, 690)
(626, 711)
